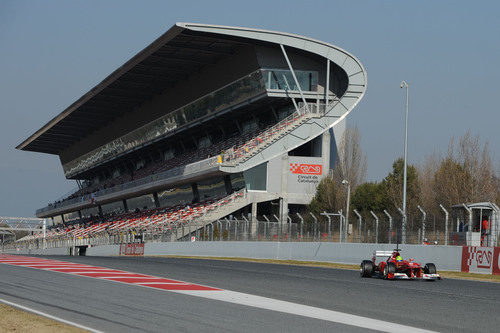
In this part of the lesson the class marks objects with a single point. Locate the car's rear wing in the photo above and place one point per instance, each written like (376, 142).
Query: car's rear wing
(382, 253)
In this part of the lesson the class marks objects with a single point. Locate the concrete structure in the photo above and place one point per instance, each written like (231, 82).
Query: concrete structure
(445, 257)
(200, 113)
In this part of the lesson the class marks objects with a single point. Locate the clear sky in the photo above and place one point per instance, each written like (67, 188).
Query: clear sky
(52, 52)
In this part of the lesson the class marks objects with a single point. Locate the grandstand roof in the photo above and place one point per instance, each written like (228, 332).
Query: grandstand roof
(183, 49)
(171, 57)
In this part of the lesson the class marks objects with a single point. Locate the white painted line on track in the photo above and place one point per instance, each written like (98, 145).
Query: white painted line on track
(301, 310)
(40, 313)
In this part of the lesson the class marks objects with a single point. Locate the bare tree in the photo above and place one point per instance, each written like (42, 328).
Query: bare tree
(350, 165)
(465, 174)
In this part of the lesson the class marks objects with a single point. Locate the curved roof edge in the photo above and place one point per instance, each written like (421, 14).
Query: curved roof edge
(349, 63)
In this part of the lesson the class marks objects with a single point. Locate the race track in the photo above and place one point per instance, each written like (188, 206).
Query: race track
(446, 306)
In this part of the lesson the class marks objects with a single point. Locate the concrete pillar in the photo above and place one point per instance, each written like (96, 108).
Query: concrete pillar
(157, 201)
(100, 209)
(227, 184)
(285, 169)
(196, 193)
(125, 206)
(325, 151)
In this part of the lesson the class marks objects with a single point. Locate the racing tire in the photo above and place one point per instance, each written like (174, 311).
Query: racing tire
(366, 269)
(389, 268)
(430, 268)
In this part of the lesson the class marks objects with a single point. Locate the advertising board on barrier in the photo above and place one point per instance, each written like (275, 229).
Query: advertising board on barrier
(133, 249)
(483, 260)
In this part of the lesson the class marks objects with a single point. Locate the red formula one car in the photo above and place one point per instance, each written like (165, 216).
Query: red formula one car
(391, 266)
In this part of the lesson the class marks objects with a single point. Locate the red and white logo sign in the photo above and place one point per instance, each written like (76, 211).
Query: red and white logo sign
(133, 249)
(477, 259)
(306, 169)
(496, 261)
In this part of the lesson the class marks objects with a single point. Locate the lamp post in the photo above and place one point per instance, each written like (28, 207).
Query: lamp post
(403, 227)
(346, 182)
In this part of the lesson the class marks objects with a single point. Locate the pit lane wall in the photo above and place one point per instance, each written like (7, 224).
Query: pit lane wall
(445, 257)
(472, 259)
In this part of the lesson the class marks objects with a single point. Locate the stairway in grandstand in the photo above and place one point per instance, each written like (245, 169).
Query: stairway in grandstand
(252, 147)
(212, 213)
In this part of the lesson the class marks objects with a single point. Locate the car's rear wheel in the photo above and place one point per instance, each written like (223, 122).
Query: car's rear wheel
(389, 268)
(366, 268)
(430, 268)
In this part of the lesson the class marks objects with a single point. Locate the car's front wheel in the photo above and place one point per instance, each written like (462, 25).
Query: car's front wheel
(389, 268)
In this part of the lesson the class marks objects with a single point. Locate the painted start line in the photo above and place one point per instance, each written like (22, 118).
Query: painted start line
(143, 280)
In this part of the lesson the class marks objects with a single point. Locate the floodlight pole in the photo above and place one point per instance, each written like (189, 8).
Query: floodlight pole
(403, 227)
(346, 182)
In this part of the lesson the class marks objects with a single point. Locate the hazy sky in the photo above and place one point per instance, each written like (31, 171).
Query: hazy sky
(52, 52)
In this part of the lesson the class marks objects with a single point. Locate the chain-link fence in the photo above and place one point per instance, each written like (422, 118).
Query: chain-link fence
(364, 227)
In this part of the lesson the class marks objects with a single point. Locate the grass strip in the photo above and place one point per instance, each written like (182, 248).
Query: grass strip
(16, 320)
(444, 274)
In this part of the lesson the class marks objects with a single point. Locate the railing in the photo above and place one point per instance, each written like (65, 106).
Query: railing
(236, 154)
(240, 90)
(176, 171)
(115, 233)
(230, 157)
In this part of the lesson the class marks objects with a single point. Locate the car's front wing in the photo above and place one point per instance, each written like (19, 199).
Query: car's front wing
(403, 276)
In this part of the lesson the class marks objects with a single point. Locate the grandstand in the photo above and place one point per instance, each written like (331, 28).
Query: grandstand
(207, 121)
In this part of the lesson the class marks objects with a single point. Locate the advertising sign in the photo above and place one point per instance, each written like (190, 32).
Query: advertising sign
(477, 259)
(304, 174)
(496, 261)
(133, 249)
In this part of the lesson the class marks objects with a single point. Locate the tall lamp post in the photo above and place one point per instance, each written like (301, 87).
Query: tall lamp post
(346, 182)
(403, 227)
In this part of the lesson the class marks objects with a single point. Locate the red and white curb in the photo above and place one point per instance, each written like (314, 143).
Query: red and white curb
(197, 290)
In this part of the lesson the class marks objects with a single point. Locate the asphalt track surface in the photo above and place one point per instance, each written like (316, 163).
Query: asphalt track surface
(446, 306)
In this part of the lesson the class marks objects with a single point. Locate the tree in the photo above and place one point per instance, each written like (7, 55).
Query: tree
(393, 185)
(350, 165)
(370, 196)
(465, 174)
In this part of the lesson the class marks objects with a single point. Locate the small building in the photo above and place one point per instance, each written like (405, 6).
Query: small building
(475, 224)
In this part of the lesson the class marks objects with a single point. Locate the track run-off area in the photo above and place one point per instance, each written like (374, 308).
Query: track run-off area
(113, 294)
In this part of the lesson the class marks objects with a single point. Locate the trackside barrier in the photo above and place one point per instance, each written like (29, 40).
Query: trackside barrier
(484, 260)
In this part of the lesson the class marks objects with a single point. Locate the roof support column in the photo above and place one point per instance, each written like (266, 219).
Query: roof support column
(327, 84)
(294, 77)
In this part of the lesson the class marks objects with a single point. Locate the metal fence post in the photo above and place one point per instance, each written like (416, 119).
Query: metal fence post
(390, 225)
(315, 225)
(424, 215)
(279, 226)
(376, 226)
(228, 225)
(301, 226)
(289, 228)
(360, 223)
(329, 225)
(446, 225)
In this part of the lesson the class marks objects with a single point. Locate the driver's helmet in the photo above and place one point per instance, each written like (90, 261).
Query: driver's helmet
(398, 258)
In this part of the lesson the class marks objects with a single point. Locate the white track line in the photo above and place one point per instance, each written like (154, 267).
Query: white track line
(40, 313)
(301, 310)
